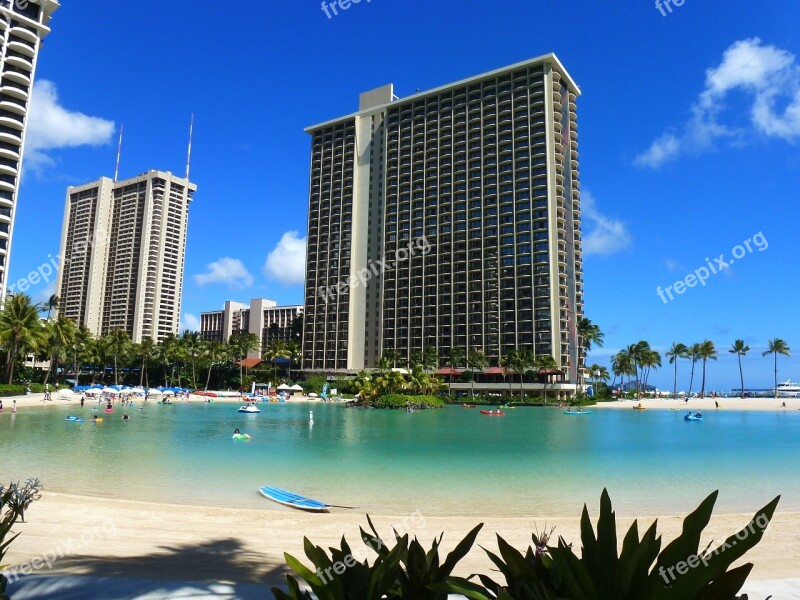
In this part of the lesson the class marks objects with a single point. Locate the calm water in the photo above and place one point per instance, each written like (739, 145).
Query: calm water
(534, 462)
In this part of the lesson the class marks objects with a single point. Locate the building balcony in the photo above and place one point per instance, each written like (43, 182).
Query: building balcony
(21, 62)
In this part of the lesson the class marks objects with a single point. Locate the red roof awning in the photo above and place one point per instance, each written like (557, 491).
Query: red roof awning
(495, 371)
(249, 363)
(447, 371)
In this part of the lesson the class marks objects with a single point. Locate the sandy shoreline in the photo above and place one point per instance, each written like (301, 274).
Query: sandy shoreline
(703, 404)
(707, 404)
(37, 400)
(117, 538)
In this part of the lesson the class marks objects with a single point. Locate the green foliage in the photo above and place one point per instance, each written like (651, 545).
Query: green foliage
(313, 383)
(405, 571)
(640, 571)
(402, 400)
(14, 501)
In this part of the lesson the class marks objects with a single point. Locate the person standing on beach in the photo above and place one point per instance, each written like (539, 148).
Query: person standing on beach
(1, 406)
(83, 399)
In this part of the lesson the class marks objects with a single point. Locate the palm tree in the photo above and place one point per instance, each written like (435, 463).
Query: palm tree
(674, 354)
(544, 362)
(476, 360)
(740, 349)
(523, 361)
(391, 382)
(588, 334)
(295, 351)
(146, 350)
(707, 352)
(192, 343)
(78, 348)
(651, 360)
(430, 360)
(243, 343)
(167, 352)
(20, 328)
(777, 346)
(275, 351)
(507, 362)
(694, 356)
(52, 303)
(58, 336)
(454, 360)
(117, 344)
(214, 353)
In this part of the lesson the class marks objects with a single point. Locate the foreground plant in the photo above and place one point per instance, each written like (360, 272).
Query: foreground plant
(641, 571)
(14, 501)
(404, 571)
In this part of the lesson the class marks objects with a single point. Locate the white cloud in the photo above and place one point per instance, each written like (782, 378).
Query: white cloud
(767, 75)
(190, 322)
(605, 235)
(51, 126)
(287, 262)
(673, 265)
(226, 270)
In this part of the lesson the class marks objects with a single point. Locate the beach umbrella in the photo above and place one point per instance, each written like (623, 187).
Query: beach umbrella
(109, 390)
(296, 388)
(283, 386)
(156, 392)
(93, 392)
(169, 393)
(313, 395)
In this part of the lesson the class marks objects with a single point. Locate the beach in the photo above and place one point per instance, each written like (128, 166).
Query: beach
(116, 538)
(706, 404)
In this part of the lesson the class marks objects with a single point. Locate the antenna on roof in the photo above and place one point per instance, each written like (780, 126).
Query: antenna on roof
(119, 152)
(189, 154)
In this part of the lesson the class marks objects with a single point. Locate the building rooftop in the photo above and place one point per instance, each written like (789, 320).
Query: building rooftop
(546, 58)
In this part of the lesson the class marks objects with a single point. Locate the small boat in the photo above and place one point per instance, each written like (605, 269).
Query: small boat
(249, 408)
(693, 417)
(293, 500)
(469, 405)
(577, 412)
(492, 413)
(639, 407)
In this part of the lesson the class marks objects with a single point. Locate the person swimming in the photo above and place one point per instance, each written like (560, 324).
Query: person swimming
(125, 417)
(236, 431)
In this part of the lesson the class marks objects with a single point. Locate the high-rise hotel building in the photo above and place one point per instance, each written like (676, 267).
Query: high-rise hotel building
(23, 26)
(475, 185)
(123, 247)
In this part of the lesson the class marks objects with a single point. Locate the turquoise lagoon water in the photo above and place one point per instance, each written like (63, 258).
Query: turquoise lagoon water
(534, 461)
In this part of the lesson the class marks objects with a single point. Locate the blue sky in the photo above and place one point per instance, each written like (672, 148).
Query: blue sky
(689, 126)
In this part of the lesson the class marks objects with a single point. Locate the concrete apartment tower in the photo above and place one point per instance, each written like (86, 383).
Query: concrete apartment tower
(483, 174)
(123, 249)
(23, 26)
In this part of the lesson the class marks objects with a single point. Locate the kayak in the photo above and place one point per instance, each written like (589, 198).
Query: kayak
(639, 408)
(490, 413)
(577, 412)
(72, 419)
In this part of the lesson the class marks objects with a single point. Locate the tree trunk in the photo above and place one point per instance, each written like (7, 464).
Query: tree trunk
(703, 388)
(776, 375)
(741, 375)
(12, 354)
(208, 377)
(675, 382)
(116, 378)
(141, 374)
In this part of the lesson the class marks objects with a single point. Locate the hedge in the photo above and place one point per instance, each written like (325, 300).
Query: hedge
(402, 400)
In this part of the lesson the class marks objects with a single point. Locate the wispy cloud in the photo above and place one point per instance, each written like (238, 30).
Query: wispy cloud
(287, 262)
(230, 271)
(51, 126)
(768, 75)
(604, 235)
(190, 322)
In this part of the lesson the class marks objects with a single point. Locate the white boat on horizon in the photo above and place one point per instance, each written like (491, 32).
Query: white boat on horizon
(788, 389)
(249, 408)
